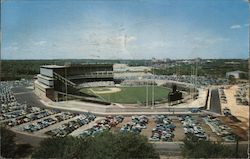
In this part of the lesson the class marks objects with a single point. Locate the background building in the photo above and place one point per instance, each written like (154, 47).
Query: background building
(235, 74)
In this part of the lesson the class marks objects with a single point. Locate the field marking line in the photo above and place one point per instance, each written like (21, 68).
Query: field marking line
(119, 105)
(97, 94)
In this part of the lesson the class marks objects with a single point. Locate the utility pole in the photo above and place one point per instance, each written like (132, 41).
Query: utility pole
(191, 81)
(147, 92)
(178, 72)
(153, 89)
(66, 87)
(237, 146)
(196, 73)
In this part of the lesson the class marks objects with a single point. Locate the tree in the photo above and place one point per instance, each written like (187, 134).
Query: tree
(195, 148)
(9, 148)
(243, 76)
(23, 150)
(8, 145)
(104, 145)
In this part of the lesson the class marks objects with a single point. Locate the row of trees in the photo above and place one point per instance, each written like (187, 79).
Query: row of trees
(105, 145)
(217, 68)
(17, 69)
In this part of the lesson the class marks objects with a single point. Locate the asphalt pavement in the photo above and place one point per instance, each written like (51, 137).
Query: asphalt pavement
(215, 105)
(24, 95)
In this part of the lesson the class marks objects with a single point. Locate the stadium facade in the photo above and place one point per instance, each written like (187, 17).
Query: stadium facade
(57, 82)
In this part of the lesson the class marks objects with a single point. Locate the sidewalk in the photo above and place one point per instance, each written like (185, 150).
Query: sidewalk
(81, 108)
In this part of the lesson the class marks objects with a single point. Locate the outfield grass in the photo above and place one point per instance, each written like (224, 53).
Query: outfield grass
(131, 95)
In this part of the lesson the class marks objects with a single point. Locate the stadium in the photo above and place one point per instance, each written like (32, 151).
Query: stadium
(97, 83)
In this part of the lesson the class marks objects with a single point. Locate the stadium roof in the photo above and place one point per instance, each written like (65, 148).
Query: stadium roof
(236, 72)
(52, 66)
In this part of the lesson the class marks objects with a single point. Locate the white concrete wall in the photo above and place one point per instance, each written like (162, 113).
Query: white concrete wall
(46, 72)
(46, 82)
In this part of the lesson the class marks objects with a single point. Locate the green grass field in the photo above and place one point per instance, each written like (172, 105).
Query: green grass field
(129, 95)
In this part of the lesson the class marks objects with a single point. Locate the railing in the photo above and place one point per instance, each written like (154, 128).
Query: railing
(64, 80)
(91, 76)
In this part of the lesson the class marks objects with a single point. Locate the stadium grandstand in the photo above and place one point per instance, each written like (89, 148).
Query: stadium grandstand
(59, 83)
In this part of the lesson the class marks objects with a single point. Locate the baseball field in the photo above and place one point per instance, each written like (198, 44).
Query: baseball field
(128, 95)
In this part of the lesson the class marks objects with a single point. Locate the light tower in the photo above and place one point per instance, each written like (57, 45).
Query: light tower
(147, 90)
(153, 90)
(66, 87)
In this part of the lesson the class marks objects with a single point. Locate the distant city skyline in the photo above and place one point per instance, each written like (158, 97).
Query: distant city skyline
(125, 29)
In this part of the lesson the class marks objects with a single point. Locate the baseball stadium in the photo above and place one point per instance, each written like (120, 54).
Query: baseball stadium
(97, 83)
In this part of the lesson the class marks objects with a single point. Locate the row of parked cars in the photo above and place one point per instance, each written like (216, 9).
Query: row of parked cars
(38, 114)
(219, 128)
(242, 95)
(67, 128)
(192, 127)
(201, 80)
(195, 110)
(164, 129)
(10, 108)
(13, 114)
(223, 98)
(38, 125)
(100, 126)
(17, 83)
(136, 125)
(6, 95)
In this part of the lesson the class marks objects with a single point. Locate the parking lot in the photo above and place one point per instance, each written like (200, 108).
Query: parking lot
(31, 119)
(236, 113)
(195, 125)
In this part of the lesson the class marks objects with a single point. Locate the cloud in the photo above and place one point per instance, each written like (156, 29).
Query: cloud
(235, 26)
(131, 38)
(40, 43)
(111, 40)
(136, 43)
(12, 48)
(246, 25)
(239, 26)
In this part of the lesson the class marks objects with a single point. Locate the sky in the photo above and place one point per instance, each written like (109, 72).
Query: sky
(124, 29)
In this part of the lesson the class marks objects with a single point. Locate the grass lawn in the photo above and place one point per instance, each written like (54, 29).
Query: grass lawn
(131, 95)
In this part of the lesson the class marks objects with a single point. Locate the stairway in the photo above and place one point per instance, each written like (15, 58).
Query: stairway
(64, 80)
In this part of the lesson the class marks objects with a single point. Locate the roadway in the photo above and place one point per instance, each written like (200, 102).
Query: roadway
(25, 95)
(215, 105)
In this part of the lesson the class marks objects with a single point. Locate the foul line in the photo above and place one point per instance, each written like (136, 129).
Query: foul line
(97, 94)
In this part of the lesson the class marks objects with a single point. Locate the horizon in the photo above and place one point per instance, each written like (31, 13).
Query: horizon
(132, 59)
(125, 30)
